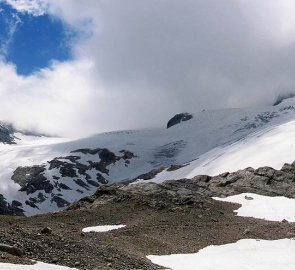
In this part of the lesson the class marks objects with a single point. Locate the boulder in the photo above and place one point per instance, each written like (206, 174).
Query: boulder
(178, 118)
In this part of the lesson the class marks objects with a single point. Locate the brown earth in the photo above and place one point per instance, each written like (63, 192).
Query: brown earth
(156, 225)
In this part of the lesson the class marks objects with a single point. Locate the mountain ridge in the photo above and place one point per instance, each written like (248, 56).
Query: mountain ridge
(50, 174)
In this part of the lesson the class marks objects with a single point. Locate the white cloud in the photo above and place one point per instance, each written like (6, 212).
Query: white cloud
(33, 7)
(48, 100)
(139, 62)
(271, 19)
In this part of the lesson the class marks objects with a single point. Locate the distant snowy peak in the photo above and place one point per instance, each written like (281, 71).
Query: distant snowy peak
(10, 135)
(283, 97)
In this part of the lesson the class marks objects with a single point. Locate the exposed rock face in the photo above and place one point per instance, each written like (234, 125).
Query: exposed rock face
(157, 196)
(78, 175)
(32, 179)
(106, 157)
(196, 191)
(150, 175)
(178, 118)
(263, 181)
(10, 209)
(13, 250)
(6, 134)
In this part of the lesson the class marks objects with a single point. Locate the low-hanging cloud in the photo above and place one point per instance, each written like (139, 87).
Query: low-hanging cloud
(139, 62)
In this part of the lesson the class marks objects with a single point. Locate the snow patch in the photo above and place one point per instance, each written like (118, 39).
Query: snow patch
(246, 254)
(37, 266)
(263, 207)
(105, 228)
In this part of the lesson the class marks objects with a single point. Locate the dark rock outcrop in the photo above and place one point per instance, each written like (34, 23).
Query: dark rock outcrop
(178, 118)
(10, 209)
(6, 134)
(282, 97)
(13, 250)
(150, 175)
(169, 194)
(32, 179)
(60, 202)
(73, 173)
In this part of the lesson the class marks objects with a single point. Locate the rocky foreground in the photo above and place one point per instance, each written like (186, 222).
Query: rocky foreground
(173, 217)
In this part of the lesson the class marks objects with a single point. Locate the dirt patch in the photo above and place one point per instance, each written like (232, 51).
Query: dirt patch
(173, 228)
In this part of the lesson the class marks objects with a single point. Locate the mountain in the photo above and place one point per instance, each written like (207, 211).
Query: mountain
(42, 174)
(10, 135)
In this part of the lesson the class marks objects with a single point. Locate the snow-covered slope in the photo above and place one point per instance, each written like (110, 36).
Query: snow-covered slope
(60, 171)
(273, 146)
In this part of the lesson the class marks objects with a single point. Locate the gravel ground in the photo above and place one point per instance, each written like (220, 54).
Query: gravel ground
(171, 228)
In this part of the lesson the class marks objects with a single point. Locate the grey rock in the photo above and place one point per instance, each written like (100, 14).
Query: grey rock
(60, 201)
(178, 118)
(13, 250)
(10, 209)
(198, 190)
(46, 230)
(32, 179)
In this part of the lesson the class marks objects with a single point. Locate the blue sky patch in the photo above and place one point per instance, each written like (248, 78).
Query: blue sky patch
(32, 42)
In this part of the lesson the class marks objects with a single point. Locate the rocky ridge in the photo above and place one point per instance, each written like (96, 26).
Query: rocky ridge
(70, 172)
(82, 173)
(264, 181)
(173, 217)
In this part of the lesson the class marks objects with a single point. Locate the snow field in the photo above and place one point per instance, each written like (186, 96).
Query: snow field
(105, 228)
(263, 207)
(37, 266)
(246, 254)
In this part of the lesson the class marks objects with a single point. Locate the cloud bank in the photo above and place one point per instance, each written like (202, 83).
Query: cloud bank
(34, 7)
(136, 63)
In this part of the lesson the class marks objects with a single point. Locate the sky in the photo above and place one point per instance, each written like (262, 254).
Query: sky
(76, 67)
(33, 42)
